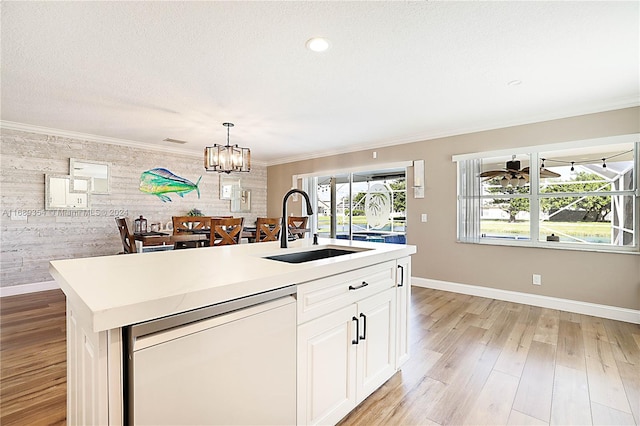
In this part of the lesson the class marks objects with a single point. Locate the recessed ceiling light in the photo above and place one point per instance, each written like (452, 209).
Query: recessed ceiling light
(317, 44)
(514, 83)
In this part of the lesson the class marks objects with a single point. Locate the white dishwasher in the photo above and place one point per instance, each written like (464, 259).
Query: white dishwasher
(227, 364)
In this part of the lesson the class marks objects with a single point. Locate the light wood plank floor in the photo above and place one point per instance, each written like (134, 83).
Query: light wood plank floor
(477, 361)
(473, 361)
(33, 359)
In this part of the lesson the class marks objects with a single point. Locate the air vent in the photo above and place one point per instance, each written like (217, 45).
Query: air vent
(174, 141)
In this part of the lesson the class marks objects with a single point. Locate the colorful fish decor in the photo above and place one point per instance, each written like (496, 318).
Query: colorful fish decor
(161, 181)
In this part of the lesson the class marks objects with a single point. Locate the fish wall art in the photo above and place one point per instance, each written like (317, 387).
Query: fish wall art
(161, 181)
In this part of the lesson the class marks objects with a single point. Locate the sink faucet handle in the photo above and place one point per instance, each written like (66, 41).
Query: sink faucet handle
(315, 239)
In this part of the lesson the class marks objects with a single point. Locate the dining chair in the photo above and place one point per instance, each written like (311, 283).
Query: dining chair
(297, 225)
(128, 242)
(188, 224)
(225, 231)
(268, 229)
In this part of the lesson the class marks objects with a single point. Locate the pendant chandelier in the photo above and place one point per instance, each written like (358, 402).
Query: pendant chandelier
(227, 158)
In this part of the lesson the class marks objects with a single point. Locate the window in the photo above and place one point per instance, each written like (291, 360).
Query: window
(578, 195)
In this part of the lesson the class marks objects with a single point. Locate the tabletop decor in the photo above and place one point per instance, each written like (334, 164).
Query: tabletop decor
(195, 212)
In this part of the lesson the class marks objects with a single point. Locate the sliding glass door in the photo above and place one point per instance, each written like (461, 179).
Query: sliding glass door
(368, 205)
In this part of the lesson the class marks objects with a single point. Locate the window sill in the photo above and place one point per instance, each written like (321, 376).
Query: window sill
(554, 246)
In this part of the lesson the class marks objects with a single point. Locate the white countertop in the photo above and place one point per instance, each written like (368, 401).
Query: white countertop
(115, 291)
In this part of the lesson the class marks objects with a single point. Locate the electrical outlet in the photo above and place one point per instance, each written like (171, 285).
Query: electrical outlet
(423, 218)
(537, 279)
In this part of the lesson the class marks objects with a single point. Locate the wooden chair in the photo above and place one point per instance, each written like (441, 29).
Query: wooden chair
(128, 242)
(226, 231)
(188, 224)
(268, 229)
(297, 225)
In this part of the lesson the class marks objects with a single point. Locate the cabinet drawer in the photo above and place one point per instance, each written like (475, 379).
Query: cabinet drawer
(320, 297)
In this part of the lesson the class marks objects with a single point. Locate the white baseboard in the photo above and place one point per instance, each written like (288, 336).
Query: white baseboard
(586, 308)
(28, 288)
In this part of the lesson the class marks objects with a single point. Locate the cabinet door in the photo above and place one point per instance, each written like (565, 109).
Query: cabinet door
(403, 300)
(326, 367)
(376, 341)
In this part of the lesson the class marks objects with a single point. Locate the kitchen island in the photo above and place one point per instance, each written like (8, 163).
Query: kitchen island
(108, 295)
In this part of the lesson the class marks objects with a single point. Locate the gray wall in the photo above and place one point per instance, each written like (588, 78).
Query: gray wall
(26, 247)
(602, 278)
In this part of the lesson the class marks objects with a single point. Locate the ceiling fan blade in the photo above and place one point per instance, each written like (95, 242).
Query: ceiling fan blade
(544, 173)
(492, 173)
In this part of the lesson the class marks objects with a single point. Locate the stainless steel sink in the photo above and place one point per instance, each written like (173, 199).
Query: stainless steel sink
(308, 256)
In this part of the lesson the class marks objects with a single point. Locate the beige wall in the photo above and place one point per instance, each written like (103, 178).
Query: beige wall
(26, 247)
(602, 278)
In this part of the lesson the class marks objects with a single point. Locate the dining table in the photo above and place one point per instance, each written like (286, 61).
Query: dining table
(155, 240)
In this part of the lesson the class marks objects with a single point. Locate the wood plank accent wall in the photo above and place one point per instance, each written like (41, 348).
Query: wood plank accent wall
(26, 247)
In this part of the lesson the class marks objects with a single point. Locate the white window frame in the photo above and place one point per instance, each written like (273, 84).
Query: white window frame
(469, 195)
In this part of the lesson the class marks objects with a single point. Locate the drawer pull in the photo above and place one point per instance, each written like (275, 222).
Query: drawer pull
(401, 275)
(358, 287)
(355, 341)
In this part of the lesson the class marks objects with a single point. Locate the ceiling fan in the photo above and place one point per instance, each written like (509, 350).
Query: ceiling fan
(513, 175)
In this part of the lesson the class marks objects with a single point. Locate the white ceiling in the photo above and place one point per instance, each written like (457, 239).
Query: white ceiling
(395, 72)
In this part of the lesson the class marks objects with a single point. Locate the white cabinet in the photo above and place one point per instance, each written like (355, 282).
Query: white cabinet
(327, 367)
(346, 354)
(403, 300)
(376, 342)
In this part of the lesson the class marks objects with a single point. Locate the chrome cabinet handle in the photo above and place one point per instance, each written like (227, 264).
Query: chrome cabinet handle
(401, 275)
(358, 287)
(355, 341)
(364, 327)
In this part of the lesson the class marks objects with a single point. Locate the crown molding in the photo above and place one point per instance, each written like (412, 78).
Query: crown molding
(11, 125)
(30, 128)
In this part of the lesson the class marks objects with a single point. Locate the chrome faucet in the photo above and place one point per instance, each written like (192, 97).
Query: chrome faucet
(285, 228)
